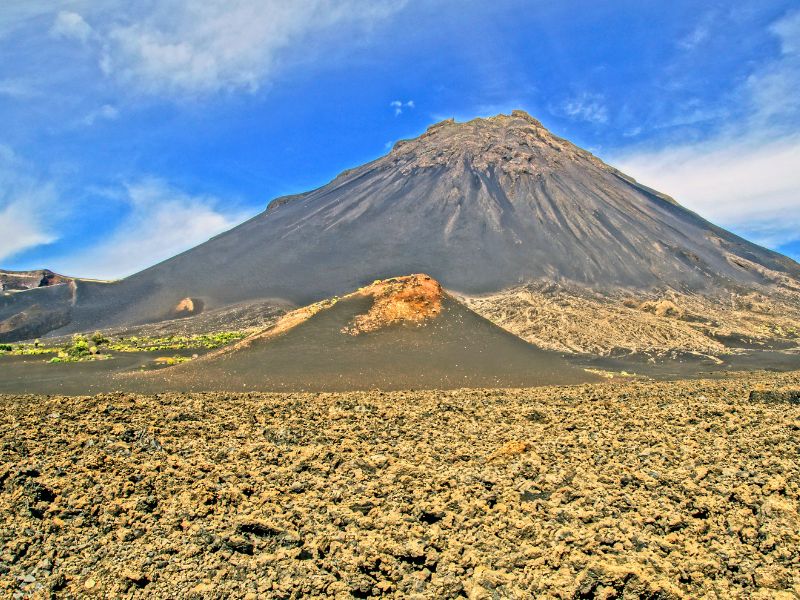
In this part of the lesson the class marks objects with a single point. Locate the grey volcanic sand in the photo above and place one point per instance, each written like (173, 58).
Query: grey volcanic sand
(678, 490)
(455, 349)
(458, 349)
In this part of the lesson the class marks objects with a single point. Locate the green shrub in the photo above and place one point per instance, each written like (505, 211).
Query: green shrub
(6, 347)
(99, 339)
(79, 347)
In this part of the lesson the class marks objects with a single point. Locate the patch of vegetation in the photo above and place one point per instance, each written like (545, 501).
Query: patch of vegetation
(206, 341)
(99, 339)
(28, 349)
(80, 349)
(98, 346)
(173, 360)
(609, 374)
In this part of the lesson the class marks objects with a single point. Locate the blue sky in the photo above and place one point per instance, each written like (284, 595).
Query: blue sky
(134, 130)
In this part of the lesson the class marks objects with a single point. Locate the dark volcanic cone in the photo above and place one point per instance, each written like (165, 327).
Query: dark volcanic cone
(399, 333)
(479, 206)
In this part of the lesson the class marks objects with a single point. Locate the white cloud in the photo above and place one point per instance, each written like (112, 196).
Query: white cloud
(23, 202)
(21, 228)
(71, 25)
(16, 14)
(17, 89)
(788, 30)
(162, 221)
(585, 107)
(747, 177)
(399, 105)
(105, 112)
(773, 89)
(700, 32)
(189, 47)
(632, 132)
(750, 184)
(695, 38)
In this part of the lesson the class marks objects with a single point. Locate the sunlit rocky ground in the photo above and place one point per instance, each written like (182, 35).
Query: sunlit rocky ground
(656, 490)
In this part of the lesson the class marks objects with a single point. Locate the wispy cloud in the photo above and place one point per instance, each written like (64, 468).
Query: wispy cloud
(71, 25)
(187, 47)
(21, 228)
(105, 113)
(745, 176)
(19, 89)
(161, 222)
(788, 30)
(24, 203)
(695, 37)
(399, 106)
(698, 34)
(586, 107)
(773, 89)
(17, 14)
(751, 185)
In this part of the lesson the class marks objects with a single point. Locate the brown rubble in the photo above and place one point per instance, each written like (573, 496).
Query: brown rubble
(582, 321)
(776, 395)
(660, 490)
(516, 144)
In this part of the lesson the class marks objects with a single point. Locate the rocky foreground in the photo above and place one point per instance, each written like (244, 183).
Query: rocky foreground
(652, 490)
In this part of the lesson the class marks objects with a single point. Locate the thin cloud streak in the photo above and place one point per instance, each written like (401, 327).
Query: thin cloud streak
(749, 185)
(585, 107)
(188, 48)
(71, 25)
(25, 204)
(745, 177)
(162, 221)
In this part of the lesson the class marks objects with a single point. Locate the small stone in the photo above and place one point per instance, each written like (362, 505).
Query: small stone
(509, 449)
(138, 578)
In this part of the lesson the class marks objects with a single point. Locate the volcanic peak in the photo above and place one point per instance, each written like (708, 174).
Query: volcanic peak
(513, 144)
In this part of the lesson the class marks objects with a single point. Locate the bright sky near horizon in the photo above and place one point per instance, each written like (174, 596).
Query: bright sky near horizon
(132, 131)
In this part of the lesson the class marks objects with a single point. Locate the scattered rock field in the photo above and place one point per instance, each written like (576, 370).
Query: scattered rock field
(686, 489)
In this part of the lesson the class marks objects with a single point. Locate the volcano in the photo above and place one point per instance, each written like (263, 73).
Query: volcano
(480, 206)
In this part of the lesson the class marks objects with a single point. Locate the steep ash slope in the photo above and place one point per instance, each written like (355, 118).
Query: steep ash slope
(480, 206)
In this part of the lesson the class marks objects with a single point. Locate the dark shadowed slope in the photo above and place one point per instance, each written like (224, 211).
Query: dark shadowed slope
(13, 281)
(480, 206)
(398, 338)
